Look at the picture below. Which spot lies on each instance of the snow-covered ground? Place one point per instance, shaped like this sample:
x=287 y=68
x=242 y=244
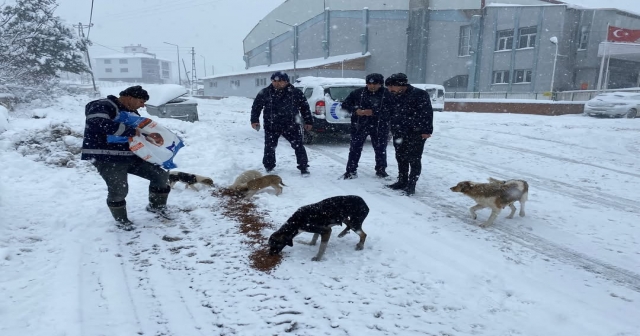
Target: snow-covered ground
x=570 y=267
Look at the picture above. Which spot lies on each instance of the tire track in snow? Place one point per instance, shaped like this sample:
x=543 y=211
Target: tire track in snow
x=542 y=154
x=533 y=242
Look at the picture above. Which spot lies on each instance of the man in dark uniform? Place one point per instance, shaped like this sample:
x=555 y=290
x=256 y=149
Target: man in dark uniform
x=370 y=113
x=282 y=104
x=115 y=161
x=411 y=126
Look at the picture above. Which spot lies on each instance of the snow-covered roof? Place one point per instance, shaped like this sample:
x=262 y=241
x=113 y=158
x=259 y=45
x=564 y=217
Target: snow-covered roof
x=621 y=5
x=131 y=55
x=301 y=64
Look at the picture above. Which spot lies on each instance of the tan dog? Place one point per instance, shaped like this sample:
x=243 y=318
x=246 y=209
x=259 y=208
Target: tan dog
x=189 y=179
x=255 y=185
x=496 y=195
x=245 y=177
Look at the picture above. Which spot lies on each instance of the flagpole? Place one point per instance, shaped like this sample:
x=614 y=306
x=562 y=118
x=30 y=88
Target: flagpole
x=604 y=53
x=606 y=76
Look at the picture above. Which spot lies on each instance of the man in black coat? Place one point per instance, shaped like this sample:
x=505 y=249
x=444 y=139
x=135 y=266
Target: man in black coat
x=411 y=126
x=282 y=104
x=115 y=161
x=370 y=113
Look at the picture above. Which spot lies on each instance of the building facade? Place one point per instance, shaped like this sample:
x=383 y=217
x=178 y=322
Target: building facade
x=466 y=45
x=134 y=65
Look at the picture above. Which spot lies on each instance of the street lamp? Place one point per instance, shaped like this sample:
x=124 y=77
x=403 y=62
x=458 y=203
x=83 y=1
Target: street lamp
x=177 y=64
x=554 y=40
x=204 y=61
x=295 y=44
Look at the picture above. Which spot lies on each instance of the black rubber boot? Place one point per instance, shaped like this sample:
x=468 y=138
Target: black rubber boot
x=400 y=184
x=119 y=213
x=158 y=205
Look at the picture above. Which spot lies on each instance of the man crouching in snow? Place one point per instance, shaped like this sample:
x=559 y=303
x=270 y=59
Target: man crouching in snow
x=318 y=218
x=115 y=161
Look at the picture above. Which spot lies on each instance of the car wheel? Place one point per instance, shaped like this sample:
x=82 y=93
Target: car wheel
x=632 y=113
x=308 y=137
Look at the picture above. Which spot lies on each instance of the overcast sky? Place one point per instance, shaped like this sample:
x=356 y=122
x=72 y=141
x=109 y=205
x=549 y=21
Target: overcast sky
x=215 y=28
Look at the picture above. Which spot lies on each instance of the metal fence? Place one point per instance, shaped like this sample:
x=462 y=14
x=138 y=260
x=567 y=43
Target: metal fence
x=579 y=95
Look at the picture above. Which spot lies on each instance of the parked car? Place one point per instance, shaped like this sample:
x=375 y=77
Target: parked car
x=436 y=93
x=614 y=105
x=167 y=101
x=325 y=97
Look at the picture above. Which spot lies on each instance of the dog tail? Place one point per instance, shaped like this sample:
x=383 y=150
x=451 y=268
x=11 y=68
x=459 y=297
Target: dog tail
x=492 y=180
x=282 y=183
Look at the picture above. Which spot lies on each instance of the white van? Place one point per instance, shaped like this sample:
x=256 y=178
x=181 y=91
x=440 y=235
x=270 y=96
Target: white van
x=325 y=96
x=436 y=93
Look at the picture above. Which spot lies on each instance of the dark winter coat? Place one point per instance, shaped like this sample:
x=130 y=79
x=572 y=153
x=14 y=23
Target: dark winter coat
x=98 y=125
x=380 y=102
x=412 y=113
x=281 y=107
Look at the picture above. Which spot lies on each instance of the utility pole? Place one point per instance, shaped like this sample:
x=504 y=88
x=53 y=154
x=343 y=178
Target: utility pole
x=186 y=73
x=178 y=63
x=81 y=27
x=204 y=62
x=194 y=84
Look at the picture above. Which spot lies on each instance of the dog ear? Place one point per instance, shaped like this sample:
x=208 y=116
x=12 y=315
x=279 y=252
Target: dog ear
x=290 y=242
x=466 y=185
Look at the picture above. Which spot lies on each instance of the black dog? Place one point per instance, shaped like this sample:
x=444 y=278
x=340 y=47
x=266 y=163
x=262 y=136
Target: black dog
x=318 y=218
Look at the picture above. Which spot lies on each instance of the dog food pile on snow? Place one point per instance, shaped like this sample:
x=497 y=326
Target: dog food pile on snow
x=251 y=224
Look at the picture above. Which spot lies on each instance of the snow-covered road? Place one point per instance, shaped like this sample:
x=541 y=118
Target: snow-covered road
x=570 y=267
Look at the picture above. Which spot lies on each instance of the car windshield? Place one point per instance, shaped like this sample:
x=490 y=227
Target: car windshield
x=340 y=93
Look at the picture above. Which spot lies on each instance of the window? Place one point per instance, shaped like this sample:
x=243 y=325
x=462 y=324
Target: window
x=108 y=70
x=501 y=77
x=165 y=74
x=107 y=61
x=522 y=76
x=584 y=38
x=261 y=81
x=460 y=81
x=308 y=92
x=235 y=83
x=464 y=47
x=527 y=37
x=124 y=61
x=213 y=84
x=124 y=69
x=505 y=40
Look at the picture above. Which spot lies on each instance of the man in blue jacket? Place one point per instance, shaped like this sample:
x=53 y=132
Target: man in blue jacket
x=411 y=126
x=370 y=112
x=282 y=104
x=115 y=161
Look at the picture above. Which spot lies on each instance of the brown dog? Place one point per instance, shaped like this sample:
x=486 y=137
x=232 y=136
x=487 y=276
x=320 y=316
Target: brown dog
x=495 y=195
x=255 y=185
x=243 y=178
x=189 y=179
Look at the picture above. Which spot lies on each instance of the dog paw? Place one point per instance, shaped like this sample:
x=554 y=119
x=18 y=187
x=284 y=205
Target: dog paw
x=342 y=235
x=521 y=214
x=315 y=259
x=474 y=216
x=484 y=225
x=359 y=247
x=510 y=217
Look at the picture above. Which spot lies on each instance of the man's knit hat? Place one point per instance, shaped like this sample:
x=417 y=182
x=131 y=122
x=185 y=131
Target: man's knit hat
x=397 y=79
x=135 y=92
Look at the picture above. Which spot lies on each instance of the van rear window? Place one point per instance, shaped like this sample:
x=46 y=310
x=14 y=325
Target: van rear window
x=339 y=94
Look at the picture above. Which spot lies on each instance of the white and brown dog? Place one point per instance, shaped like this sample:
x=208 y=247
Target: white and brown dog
x=257 y=184
x=496 y=194
x=189 y=179
x=243 y=178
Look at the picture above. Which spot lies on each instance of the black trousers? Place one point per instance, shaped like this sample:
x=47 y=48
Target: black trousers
x=293 y=134
x=115 y=176
x=409 y=150
x=379 y=140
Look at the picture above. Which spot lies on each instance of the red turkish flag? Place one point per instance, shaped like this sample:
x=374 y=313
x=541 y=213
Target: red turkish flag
x=617 y=34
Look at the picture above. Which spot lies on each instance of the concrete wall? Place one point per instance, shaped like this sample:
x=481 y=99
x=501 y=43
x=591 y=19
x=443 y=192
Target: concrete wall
x=518 y=108
x=133 y=65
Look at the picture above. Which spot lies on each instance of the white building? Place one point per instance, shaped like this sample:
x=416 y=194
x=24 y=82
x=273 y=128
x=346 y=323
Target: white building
x=134 y=65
